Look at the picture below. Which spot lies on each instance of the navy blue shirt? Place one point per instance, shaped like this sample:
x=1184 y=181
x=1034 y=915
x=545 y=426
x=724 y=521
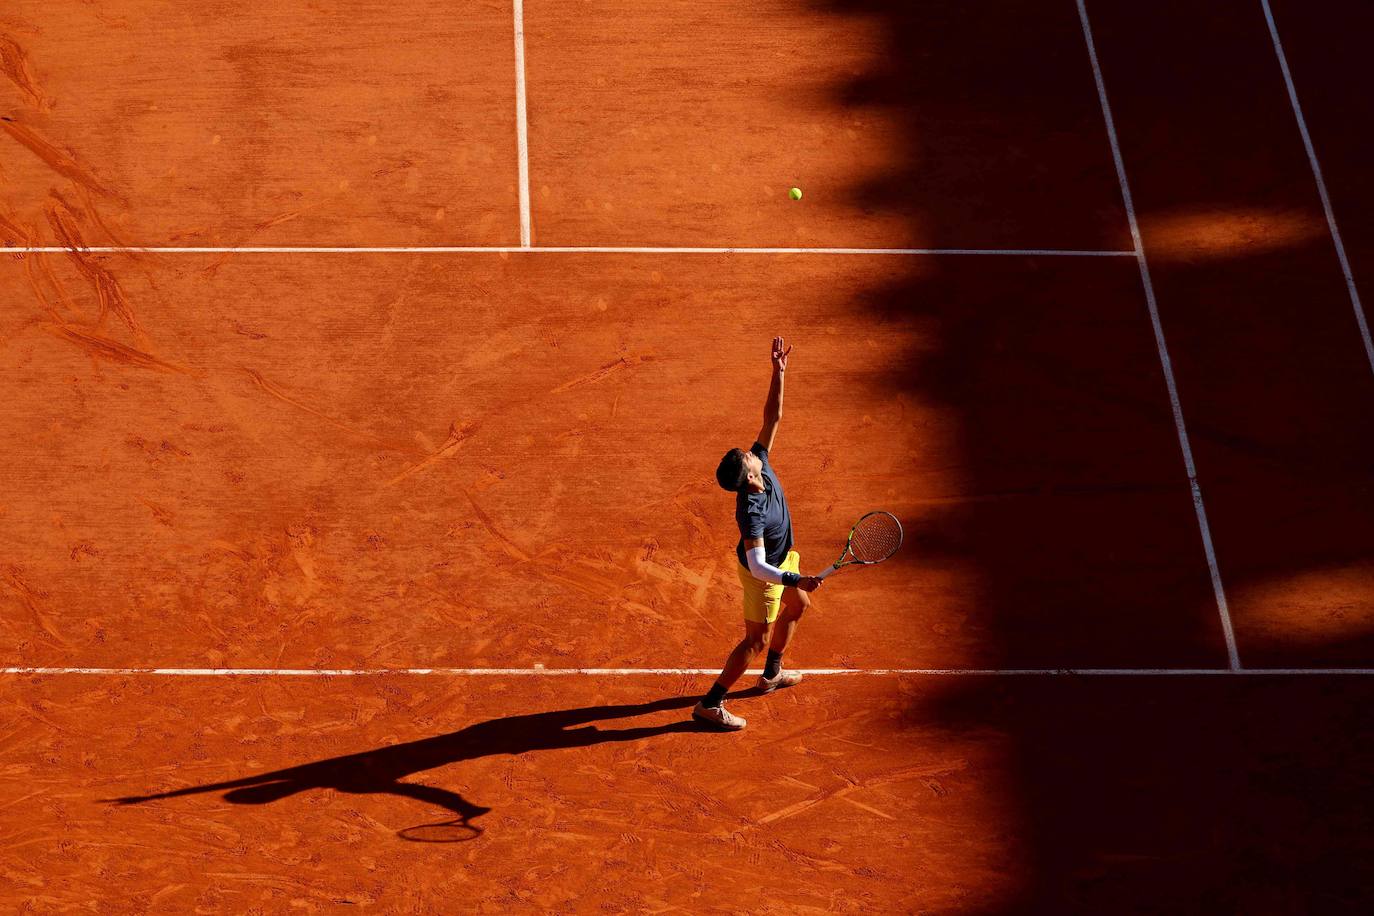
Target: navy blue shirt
x=764 y=515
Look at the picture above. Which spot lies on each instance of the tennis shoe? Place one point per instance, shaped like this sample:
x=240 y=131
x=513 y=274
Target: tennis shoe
x=718 y=716
x=781 y=680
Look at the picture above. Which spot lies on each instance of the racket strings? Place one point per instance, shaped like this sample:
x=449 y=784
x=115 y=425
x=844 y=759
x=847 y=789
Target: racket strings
x=875 y=538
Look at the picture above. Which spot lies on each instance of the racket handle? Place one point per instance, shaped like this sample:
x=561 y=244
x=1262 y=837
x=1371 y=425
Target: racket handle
x=827 y=572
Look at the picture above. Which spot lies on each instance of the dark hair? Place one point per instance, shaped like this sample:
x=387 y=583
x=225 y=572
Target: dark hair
x=730 y=473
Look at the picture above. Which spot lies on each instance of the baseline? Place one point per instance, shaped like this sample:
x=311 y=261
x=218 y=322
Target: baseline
x=538 y=671
x=595 y=249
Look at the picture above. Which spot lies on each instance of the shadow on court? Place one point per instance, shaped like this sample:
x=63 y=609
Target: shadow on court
x=1162 y=794
x=383 y=770
x=1181 y=795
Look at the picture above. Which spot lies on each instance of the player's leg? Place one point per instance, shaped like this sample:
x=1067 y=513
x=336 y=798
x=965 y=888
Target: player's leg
x=794 y=604
x=762 y=604
x=745 y=651
x=712 y=706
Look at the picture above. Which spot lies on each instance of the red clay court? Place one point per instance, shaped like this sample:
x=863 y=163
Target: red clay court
x=366 y=367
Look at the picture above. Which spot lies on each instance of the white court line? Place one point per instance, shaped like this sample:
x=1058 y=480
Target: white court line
x=521 y=127
x=1321 y=186
x=1217 y=590
x=585 y=249
x=662 y=672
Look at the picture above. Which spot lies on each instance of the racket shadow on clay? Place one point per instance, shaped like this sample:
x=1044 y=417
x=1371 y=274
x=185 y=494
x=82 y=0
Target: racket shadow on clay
x=382 y=770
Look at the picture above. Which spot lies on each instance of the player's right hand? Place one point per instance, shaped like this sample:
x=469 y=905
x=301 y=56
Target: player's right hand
x=780 y=354
x=809 y=583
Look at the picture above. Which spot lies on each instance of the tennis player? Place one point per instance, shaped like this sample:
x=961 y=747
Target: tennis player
x=775 y=593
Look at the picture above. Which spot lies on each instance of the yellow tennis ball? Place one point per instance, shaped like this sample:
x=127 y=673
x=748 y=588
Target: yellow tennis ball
x=795 y=193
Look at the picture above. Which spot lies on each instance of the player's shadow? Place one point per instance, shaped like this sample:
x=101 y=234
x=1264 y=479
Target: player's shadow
x=384 y=769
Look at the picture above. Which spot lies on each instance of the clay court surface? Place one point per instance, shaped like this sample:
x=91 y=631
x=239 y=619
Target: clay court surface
x=366 y=366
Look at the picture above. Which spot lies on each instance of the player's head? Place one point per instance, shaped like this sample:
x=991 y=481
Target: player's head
x=739 y=471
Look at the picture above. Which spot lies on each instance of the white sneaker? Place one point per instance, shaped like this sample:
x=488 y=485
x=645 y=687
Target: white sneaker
x=784 y=679
x=718 y=716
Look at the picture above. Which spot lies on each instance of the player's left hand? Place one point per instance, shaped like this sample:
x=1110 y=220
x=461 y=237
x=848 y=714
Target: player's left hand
x=780 y=354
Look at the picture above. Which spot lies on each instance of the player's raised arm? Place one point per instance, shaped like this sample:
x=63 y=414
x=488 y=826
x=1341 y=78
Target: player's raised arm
x=772 y=411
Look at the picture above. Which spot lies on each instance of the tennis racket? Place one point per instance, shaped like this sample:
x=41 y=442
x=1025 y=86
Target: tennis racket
x=874 y=538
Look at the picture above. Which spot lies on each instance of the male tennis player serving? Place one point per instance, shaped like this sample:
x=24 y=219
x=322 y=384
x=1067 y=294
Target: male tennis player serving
x=775 y=594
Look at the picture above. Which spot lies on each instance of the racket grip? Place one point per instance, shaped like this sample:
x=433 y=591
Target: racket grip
x=826 y=572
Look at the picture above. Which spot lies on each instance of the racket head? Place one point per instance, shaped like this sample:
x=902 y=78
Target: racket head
x=874 y=538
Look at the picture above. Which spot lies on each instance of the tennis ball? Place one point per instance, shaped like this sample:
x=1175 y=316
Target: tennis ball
x=795 y=193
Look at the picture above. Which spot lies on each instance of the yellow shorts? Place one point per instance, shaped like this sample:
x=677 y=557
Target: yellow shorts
x=763 y=600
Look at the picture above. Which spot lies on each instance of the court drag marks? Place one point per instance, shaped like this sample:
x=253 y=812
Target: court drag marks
x=218 y=124
x=658 y=814
x=346 y=463
x=251 y=491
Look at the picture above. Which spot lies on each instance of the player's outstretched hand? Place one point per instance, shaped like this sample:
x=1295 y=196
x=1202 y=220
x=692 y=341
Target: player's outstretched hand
x=780 y=354
x=809 y=583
